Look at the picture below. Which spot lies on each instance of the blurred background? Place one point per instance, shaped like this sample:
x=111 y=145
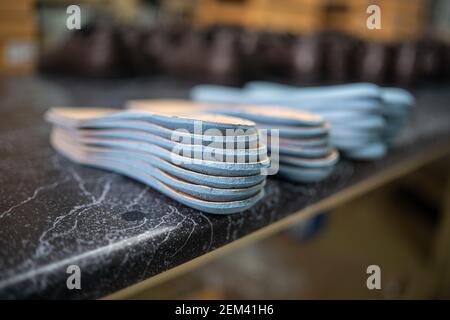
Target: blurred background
x=304 y=42
x=230 y=41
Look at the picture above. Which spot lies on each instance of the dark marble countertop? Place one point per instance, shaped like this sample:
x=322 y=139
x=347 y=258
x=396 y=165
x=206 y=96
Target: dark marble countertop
x=54 y=213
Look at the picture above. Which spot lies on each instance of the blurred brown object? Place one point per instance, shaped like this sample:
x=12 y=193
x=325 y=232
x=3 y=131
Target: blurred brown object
x=251 y=62
x=203 y=56
x=90 y=52
x=340 y=54
x=265 y=55
x=138 y=50
x=234 y=56
x=222 y=12
x=296 y=16
x=21 y=5
x=276 y=53
x=183 y=54
x=307 y=59
x=124 y=10
x=429 y=59
x=222 y=65
x=373 y=59
x=177 y=12
x=405 y=64
x=18 y=44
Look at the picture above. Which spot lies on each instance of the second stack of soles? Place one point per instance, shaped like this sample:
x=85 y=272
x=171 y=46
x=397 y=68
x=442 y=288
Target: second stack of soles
x=362 y=124
x=299 y=140
x=188 y=158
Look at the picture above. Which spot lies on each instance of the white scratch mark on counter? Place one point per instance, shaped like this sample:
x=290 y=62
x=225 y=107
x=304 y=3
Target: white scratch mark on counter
x=44 y=241
x=30 y=198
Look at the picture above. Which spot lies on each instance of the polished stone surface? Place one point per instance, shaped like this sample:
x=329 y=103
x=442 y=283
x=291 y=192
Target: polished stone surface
x=54 y=213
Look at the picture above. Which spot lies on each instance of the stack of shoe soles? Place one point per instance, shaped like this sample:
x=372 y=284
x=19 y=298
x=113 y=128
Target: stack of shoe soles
x=302 y=138
x=364 y=118
x=209 y=162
